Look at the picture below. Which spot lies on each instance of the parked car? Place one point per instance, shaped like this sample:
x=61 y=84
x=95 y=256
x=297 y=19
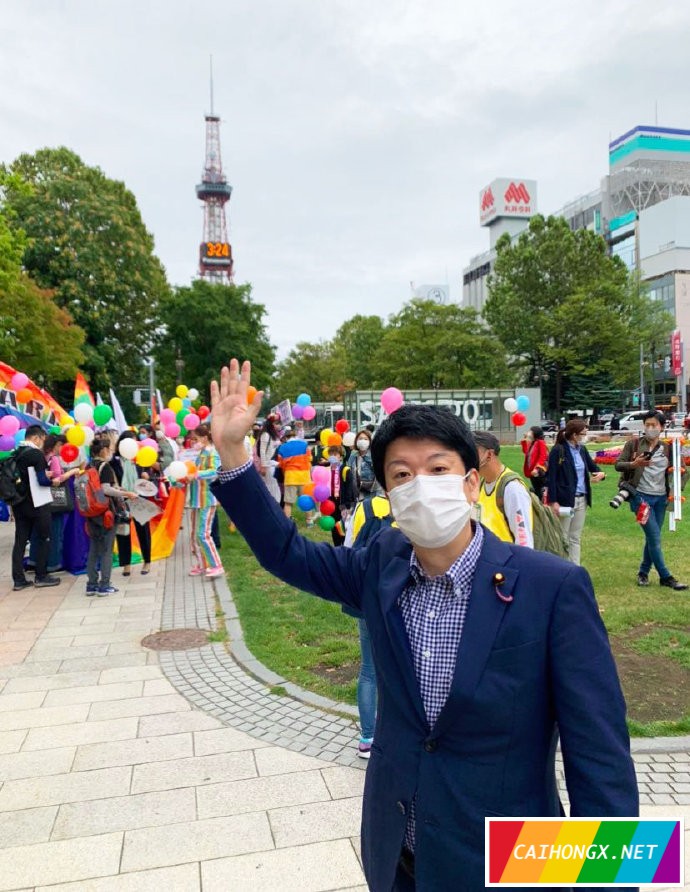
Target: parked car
x=631 y=421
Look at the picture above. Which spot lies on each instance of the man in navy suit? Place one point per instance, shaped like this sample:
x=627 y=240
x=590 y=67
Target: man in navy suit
x=485 y=652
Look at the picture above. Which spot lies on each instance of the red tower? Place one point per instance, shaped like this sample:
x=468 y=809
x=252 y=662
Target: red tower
x=215 y=252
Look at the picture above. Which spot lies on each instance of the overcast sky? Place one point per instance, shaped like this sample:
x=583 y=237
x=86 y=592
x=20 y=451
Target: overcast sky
x=356 y=135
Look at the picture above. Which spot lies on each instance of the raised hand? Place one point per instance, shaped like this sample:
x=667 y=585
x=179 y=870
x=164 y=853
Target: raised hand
x=232 y=417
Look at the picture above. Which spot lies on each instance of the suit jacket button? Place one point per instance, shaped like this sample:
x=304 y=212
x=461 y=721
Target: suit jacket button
x=401 y=807
x=430 y=746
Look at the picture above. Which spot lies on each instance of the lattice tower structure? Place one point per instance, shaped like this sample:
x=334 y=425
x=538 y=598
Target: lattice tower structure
x=646 y=182
x=215 y=251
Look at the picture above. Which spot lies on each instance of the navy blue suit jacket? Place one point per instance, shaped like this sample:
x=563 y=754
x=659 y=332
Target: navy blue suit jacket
x=526 y=670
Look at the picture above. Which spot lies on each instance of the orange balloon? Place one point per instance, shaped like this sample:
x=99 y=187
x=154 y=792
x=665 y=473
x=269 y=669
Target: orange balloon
x=24 y=395
x=308 y=489
x=251 y=393
x=191 y=468
x=335 y=440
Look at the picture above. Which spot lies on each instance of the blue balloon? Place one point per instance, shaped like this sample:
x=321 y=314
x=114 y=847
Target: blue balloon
x=186 y=402
x=19 y=436
x=523 y=403
x=293 y=448
x=306 y=503
x=303 y=400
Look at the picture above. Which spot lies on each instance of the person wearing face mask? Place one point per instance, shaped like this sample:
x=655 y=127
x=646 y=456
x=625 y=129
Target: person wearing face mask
x=485 y=652
x=645 y=463
x=505 y=505
x=536 y=458
x=340 y=474
x=363 y=483
x=569 y=491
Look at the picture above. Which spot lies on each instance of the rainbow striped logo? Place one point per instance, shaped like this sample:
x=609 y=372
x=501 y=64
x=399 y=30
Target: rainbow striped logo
x=584 y=852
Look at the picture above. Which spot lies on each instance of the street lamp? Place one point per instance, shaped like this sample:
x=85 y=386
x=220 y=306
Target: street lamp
x=179 y=366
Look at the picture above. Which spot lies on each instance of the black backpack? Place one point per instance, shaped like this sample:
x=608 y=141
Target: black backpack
x=12 y=486
x=372 y=525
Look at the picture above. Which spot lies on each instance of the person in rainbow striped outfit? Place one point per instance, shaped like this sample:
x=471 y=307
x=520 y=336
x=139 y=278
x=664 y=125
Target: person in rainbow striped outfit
x=203 y=504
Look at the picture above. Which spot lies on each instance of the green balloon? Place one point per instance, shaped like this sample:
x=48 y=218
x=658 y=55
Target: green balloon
x=55 y=429
x=5 y=454
x=326 y=523
x=181 y=415
x=102 y=415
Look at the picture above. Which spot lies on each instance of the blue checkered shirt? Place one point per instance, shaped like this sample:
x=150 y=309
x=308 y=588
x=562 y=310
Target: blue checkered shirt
x=434 y=611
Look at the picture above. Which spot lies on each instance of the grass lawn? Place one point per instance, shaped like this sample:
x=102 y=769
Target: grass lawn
x=314 y=644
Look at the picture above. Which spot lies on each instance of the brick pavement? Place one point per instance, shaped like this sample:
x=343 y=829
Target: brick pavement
x=112 y=778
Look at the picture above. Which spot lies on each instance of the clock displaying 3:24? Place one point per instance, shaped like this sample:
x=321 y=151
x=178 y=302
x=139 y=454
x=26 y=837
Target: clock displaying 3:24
x=217 y=249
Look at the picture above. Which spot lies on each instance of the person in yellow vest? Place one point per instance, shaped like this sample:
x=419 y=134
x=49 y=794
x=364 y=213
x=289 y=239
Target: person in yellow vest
x=514 y=521
x=294 y=459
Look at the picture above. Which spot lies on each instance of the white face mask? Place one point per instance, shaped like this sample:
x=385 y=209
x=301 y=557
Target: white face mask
x=362 y=444
x=582 y=439
x=431 y=510
x=651 y=433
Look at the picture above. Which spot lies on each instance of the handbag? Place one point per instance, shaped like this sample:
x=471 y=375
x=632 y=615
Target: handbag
x=63 y=500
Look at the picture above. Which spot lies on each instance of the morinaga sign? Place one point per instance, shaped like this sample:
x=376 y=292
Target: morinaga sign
x=507 y=198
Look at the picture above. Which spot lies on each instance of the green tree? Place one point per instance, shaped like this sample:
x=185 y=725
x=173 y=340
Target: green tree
x=205 y=324
x=313 y=369
x=429 y=345
x=354 y=345
x=563 y=307
x=87 y=243
x=36 y=336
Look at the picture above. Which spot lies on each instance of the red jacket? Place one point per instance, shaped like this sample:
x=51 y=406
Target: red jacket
x=535 y=457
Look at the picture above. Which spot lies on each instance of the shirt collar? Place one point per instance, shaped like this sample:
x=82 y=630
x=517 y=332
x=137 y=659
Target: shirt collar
x=461 y=569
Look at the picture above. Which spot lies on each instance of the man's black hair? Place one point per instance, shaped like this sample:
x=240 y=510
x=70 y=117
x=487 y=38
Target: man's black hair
x=654 y=414
x=419 y=422
x=35 y=430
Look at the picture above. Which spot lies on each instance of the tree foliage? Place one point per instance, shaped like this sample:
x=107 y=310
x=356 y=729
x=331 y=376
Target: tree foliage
x=563 y=307
x=36 y=336
x=86 y=242
x=206 y=324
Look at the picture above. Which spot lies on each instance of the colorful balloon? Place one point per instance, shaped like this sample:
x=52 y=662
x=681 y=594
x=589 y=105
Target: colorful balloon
x=193 y=393
x=327 y=507
x=128 y=448
x=102 y=415
x=321 y=474
x=523 y=403
x=176 y=470
x=303 y=400
x=192 y=469
x=89 y=436
x=335 y=440
x=518 y=418
x=172 y=430
x=203 y=412
x=306 y=503
x=308 y=489
x=175 y=404
x=83 y=412
x=6 y=442
x=182 y=390
x=75 y=435
x=325 y=434
x=391 y=400
x=148 y=441
x=18 y=381
x=251 y=393
x=510 y=404
x=349 y=439
x=309 y=413
x=20 y=436
x=326 y=523
x=191 y=422
x=146 y=456
x=342 y=426
x=167 y=416
x=24 y=395
x=69 y=453
x=181 y=415
x=322 y=492
x=297 y=412
x=9 y=425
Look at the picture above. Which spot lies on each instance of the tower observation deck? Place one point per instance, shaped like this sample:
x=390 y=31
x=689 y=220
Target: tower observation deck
x=215 y=251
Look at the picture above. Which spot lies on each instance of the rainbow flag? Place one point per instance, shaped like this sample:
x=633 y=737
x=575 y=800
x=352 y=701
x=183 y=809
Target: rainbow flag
x=164 y=530
x=41 y=405
x=81 y=390
x=584 y=852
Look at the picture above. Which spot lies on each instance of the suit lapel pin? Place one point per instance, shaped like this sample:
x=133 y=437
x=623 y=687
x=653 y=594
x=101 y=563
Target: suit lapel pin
x=498 y=580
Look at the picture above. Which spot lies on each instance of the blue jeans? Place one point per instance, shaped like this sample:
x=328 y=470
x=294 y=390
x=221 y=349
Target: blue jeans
x=366 y=684
x=652 y=533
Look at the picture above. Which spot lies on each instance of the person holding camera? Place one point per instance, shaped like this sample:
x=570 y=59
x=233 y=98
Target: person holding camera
x=645 y=463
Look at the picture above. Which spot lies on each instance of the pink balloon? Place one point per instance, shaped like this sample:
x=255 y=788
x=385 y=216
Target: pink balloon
x=191 y=421
x=9 y=425
x=391 y=400
x=19 y=380
x=322 y=492
x=309 y=413
x=320 y=474
x=172 y=430
x=149 y=442
x=167 y=417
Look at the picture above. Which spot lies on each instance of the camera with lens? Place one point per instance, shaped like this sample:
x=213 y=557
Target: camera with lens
x=625 y=492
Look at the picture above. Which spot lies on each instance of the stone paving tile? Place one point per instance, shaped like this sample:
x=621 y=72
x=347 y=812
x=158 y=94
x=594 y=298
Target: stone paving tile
x=76 y=859
x=276 y=760
x=260 y=794
x=316 y=822
x=129 y=673
x=28 y=826
x=196 y=841
x=132 y=752
x=343 y=782
x=11 y=741
x=311 y=868
x=81 y=733
x=94 y=693
x=51 y=682
x=138 y=706
x=182 y=878
x=224 y=740
x=115 y=661
x=38 y=718
x=58 y=788
x=26 y=700
x=36 y=764
x=129 y=812
x=194 y=771
x=176 y=722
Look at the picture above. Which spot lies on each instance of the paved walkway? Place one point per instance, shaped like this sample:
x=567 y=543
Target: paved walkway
x=122 y=769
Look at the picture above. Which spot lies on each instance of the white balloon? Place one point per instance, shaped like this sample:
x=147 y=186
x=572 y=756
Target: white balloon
x=349 y=439
x=89 y=435
x=176 y=470
x=128 y=448
x=83 y=413
x=193 y=393
x=510 y=405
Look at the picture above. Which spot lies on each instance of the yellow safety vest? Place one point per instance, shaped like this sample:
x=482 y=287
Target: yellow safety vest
x=491 y=515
